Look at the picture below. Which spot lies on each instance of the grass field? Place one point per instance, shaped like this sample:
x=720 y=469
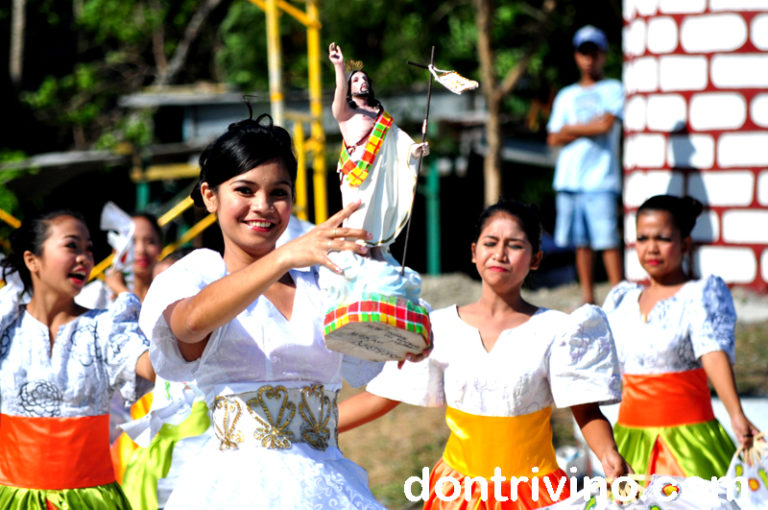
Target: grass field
x=401 y=443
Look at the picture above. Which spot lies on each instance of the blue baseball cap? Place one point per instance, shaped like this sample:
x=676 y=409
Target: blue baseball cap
x=590 y=34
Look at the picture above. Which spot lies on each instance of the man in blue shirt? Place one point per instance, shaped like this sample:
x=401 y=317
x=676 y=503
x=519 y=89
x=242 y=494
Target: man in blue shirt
x=586 y=122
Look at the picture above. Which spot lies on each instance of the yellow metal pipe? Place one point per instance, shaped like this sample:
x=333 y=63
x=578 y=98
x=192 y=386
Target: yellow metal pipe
x=190 y=234
x=102 y=266
x=165 y=172
x=175 y=211
x=289 y=9
x=274 y=58
x=10 y=219
x=301 y=172
x=317 y=135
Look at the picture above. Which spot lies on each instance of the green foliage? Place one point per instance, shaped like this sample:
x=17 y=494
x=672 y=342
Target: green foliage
x=8 y=200
x=243 y=53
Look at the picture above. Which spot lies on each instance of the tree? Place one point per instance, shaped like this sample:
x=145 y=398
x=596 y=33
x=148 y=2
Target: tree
x=119 y=48
x=494 y=89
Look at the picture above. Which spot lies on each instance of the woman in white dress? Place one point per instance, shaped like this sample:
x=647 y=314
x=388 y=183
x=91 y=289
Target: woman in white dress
x=498 y=365
x=672 y=335
x=59 y=366
x=247 y=328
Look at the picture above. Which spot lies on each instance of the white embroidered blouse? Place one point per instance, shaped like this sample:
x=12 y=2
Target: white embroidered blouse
x=259 y=346
x=554 y=357
x=698 y=319
x=91 y=357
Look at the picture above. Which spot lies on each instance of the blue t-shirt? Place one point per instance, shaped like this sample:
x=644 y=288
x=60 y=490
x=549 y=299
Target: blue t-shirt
x=588 y=163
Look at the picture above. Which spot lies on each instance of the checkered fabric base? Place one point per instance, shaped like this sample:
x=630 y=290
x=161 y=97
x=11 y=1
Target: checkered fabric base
x=378 y=328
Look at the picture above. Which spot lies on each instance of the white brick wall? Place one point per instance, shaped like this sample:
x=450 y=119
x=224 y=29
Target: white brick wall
x=662 y=35
x=759 y=31
x=634 y=113
x=742 y=149
x=764 y=265
x=745 y=226
x=641 y=185
x=714 y=32
x=733 y=264
x=646 y=7
x=689 y=64
x=630 y=228
x=762 y=188
x=738 y=5
x=731 y=188
x=634 y=38
x=682 y=6
x=740 y=70
x=718 y=110
x=642 y=75
x=707 y=228
x=758 y=110
x=666 y=112
x=644 y=150
x=691 y=151
x=682 y=72
x=632 y=267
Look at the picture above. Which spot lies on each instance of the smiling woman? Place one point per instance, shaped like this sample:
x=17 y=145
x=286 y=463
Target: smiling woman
x=246 y=326
x=59 y=365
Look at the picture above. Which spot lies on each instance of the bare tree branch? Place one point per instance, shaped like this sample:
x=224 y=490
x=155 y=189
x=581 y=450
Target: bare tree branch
x=16 y=58
x=158 y=41
x=194 y=27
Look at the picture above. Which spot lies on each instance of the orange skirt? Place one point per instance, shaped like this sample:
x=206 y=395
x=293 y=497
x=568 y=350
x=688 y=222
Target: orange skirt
x=55 y=453
x=469 y=493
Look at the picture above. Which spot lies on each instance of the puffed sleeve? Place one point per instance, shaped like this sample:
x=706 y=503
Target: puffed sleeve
x=183 y=279
x=583 y=366
x=125 y=342
x=418 y=384
x=616 y=295
x=713 y=319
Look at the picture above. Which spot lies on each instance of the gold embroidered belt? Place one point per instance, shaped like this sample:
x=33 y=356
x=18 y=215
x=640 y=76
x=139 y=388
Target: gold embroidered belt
x=275 y=417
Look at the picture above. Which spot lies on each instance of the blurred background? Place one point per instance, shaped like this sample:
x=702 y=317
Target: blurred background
x=113 y=100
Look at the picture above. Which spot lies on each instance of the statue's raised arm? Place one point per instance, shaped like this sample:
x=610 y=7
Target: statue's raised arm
x=340 y=109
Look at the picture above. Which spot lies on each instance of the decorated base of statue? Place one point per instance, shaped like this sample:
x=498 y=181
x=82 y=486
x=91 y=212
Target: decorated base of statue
x=378 y=328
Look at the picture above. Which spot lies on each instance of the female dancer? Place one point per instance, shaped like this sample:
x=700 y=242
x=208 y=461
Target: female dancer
x=59 y=365
x=247 y=328
x=671 y=335
x=147 y=244
x=498 y=365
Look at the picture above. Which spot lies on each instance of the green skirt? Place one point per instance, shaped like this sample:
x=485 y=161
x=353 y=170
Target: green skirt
x=701 y=449
x=106 y=497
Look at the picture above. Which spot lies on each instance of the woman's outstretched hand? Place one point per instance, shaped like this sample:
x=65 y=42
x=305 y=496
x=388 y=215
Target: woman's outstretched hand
x=313 y=247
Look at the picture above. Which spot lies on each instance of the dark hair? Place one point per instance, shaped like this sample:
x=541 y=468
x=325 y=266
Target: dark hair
x=682 y=210
x=245 y=145
x=526 y=215
x=30 y=236
x=370 y=100
x=152 y=219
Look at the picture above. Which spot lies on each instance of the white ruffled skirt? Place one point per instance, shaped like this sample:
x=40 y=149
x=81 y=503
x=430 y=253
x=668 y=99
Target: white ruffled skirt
x=259 y=478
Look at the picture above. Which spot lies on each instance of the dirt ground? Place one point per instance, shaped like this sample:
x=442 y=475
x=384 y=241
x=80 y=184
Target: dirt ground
x=403 y=442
